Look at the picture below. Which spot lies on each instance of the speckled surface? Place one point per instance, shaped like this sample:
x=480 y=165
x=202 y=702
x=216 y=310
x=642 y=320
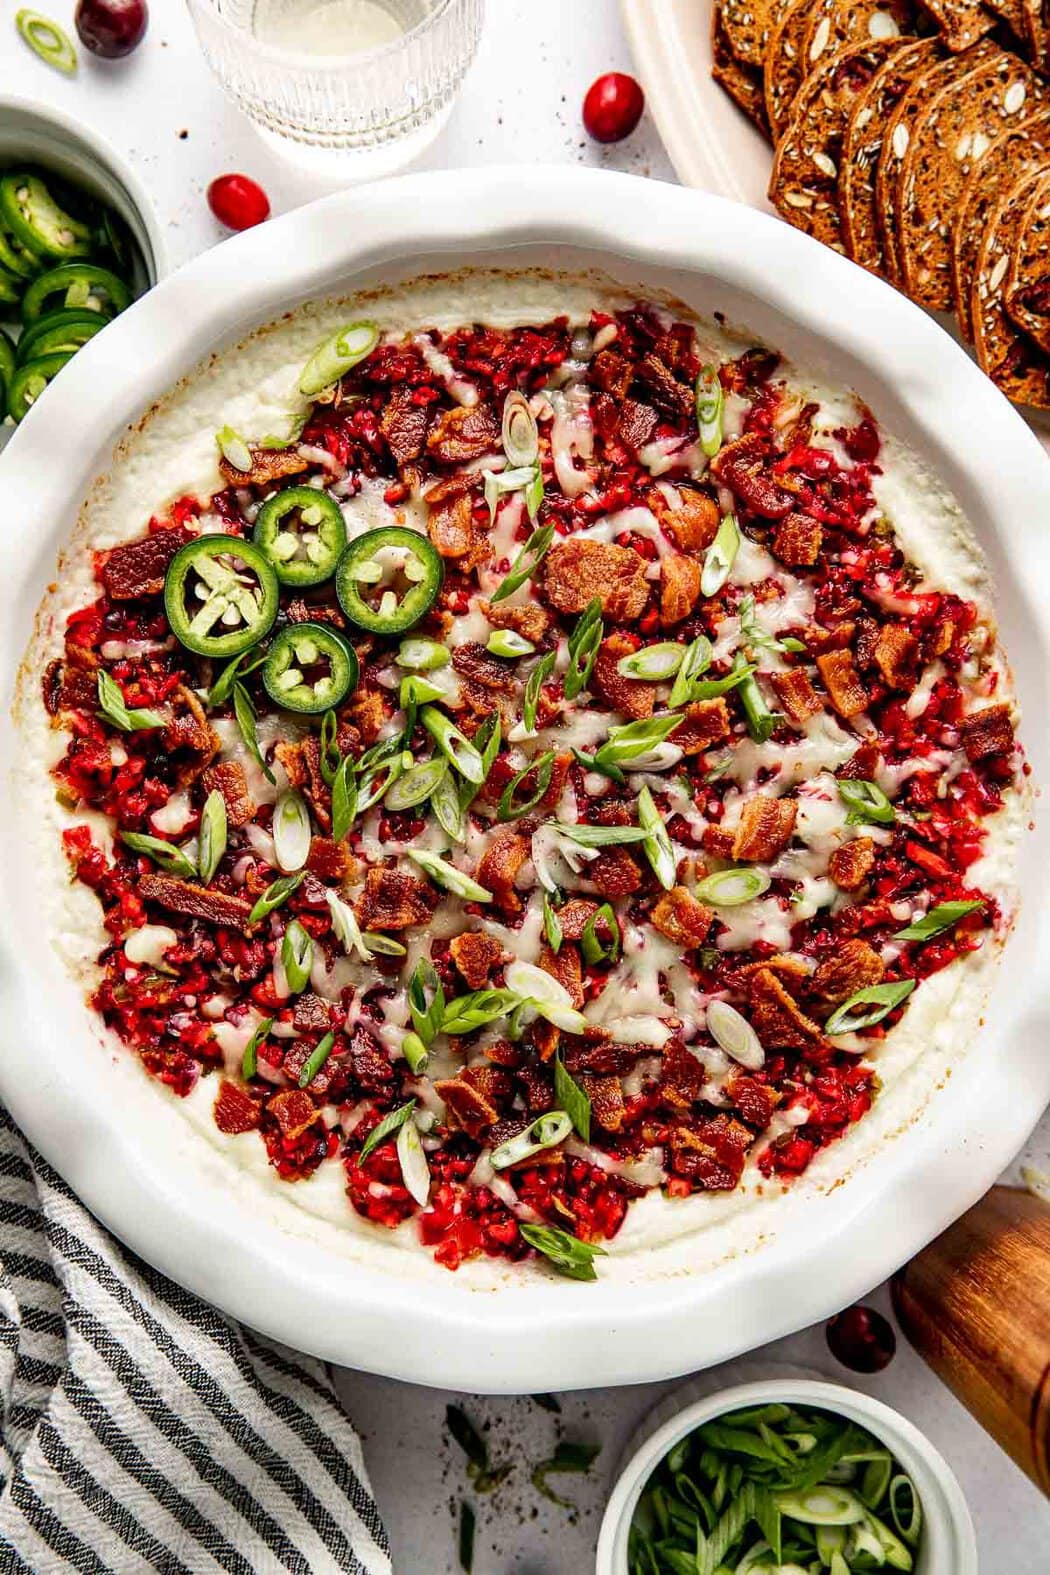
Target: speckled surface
x=520 y=105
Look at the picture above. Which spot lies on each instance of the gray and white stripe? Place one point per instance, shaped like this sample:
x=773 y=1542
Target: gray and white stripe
x=140 y=1430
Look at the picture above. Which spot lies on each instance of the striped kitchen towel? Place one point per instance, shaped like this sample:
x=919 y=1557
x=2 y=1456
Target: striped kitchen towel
x=140 y=1430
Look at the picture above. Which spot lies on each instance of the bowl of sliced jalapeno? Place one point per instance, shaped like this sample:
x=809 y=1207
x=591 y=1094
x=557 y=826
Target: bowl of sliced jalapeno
x=78 y=243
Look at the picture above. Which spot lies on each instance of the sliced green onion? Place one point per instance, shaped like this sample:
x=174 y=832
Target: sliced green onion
x=426 y=1000
x=414 y=691
x=234 y=449
x=447 y=807
x=297 y=954
x=114 y=708
x=711 y=688
x=826 y=1505
x=526 y=563
x=335 y=357
x=552 y=925
x=635 y=739
x=46 y=39
x=695 y=662
x=415 y=1053
x=416 y=784
x=732 y=1032
x=599 y=836
x=467 y=1013
x=509 y=807
x=521 y=435
x=570 y=1097
x=938 y=920
x=907 y=1519
x=383 y=945
x=468 y=1525
x=567 y=1254
x=584 y=643
x=452 y=743
x=347 y=930
x=720 y=556
x=606 y=768
x=539 y=989
x=547 y=1131
x=164 y=854
x=345 y=800
x=241 y=665
x=497 y=482
x=732 y=888
x=531 y=698
x=211 y=844
x=867 y=802
x=882 y=998
x=391 y=1123
x=761 y=721
x=654 y=664
x=595 y=950
x=250 y=1059
x=421 y=655
x=487 y=740
x=291 y=831
x=316 y=1060
x=533 y=494
x=276 y=893
x=371 y=785
x=331 y=756
x=415 y=1172
x=447 y=876
x=709 y=406
x=657 y=846
x=244 y=711
x=506 y=642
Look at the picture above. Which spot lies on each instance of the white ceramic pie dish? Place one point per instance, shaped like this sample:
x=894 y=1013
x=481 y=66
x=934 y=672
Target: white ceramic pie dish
x=117 y=1138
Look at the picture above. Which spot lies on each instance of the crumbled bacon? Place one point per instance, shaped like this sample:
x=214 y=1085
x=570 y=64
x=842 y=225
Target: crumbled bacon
x=236 y=1109
x=228 y=779
x=629 y=695
x=705 y=722
x=850 y=864
x=608 y=1107
x=189 y=736
x=268 y=465
x=137 y=568
x=796 y=694
x=895 y=653
x=765 y=827
x=689 y=516
x=565 y=966
x=738 y=466
x=988 y=732
x=578 y=570
x=776 y=1016
x=854 y=966
x=331 y=861
x=465 y=432
x=197 y=902
x=797 y=539
x=393 y=901
x=612 y=373
x=680 y=917
x=841 y=680
x=575 y=916
x=475 y=954
x=452 y=529
x=473 y=1097
x=530 y=621
x=499 y=866
x=679 y=588
x=404 y=425
x=614 y=873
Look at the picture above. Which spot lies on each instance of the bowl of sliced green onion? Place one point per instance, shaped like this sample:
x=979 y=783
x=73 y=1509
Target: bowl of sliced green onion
x=786 y=1477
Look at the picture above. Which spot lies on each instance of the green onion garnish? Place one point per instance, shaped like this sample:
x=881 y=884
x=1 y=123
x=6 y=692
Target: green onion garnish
x=521 y=435
x=531 y=698
x=487 y=740
x=446 y=803
x=584 y=642
x=526 y=563
x=867 y=802
x=467 y=1013
x=277 y=892
x=234 y=449
x=250 y=1059
x=654 y=664
x=633 y=740
x=46 y=39
x=568 y=1456
x=939 y=919
x=452 y=744
x=695 y=662
x=244 y=711
x=599 y=836
x=761 y=721
x=594 y=949
x=415 y=1172
x=506 y=642
x=422 y=656
x=732 y=888
x=534 y=494
x=241 y=665
x=547 y=1131
x=720 y=556
x=448 y=877
x=114 y=708
x=416 y=784
x=711 y=688
x=335 y=357
x=567 y=1254
x=331 y=754
x=383 y=945
x=426 y=1000
x=211 y=843
x=552 y=925
x=291 y=831
x=657 y=846
x=732 y=1032
x=297 y=953
x=509 y=807
x=415 y=1053
x=164 y=854
x=345 y=799
x=882 y=998
x=316 y=1060
x=347 y=930
x=386 y=1128
x=467 y=1530
x=709 y=405
x=497 y=482
x=571 y=1098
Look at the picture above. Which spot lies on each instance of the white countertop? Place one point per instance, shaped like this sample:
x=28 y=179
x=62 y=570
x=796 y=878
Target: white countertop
x=520 y=105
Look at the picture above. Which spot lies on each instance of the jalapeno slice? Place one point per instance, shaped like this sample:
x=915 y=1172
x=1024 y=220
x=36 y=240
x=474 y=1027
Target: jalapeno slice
x=303 y=533
x=79 y=286
x=17 y=259
x=387 y=579
x=310 y=668
x=221 y=595
x=30 y=380
x=59 y=331
x=10 y=290
x=37 y=221
x=8 y=361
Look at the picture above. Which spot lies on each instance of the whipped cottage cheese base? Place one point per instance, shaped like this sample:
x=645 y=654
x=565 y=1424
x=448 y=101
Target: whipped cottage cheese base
x=253 y=388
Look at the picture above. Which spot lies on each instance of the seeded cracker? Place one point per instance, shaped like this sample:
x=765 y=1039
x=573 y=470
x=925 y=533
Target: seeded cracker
x=1027 y=293
x=960 y=22
x=1020 y=152
x=1012 y=12
x=898 y=135
x=862 y=145
x=807 y=32
x=1035 y=33
x=804 y=185
x=1010 y=359
x=783 y=70
x=948 y=140
x=747 y=24
x=742 y=83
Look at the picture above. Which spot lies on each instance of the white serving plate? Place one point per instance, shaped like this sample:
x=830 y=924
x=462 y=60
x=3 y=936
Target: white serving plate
x=119 y=1140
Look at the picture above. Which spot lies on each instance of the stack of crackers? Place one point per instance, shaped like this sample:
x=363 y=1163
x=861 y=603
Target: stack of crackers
x=917 y=141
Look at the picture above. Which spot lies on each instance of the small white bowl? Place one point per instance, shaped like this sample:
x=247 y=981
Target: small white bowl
x=949 y=1546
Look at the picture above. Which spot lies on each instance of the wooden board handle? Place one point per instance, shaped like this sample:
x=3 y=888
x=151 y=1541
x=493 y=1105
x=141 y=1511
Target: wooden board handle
x=976 y=1306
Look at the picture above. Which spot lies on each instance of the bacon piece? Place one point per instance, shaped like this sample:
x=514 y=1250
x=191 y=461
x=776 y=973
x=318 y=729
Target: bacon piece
x=797 y=540
x=853 y=966
x=691 y=522
x=711 y=1155
x=683 y=1075
x=294 y=1111
x=367 y=706
x=636 y=425
x=718 y=842
x=738 y=466
x=575 y=916
x=629 y=695
x=895 y=651
x=679 y=916
x=189 y=732
x=776 y=1016
x=783 y=963
x=331 y=861
x=302 y=765
x=452 y=530
x=614 y=873
x=679 y=588
x=612 y=373
x=472 y=1098
x=988 y=732
x=565 y=966
x=607 y=1103
x=369 y=1065
x=706 y=722
x=235 y=1109
x=499 y=867
x=796 y=694
x=765 y=828
x=404 y=425
x=228 y=779
x=849 y=864
x=479 y=666
x=137 y=568
x=848 y=694
x=475 y=953
x=312 y=1014
x=197 y=902
x=578 y=570
x=666 y=392
x=462 y=433
x=268 y=465
x=393 y=901
x=531 y=620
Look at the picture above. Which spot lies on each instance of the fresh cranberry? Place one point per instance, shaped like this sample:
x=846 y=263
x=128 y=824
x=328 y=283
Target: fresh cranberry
x=861 y=1339
x=613 y=107
x=238 y=201
x=111 y=28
